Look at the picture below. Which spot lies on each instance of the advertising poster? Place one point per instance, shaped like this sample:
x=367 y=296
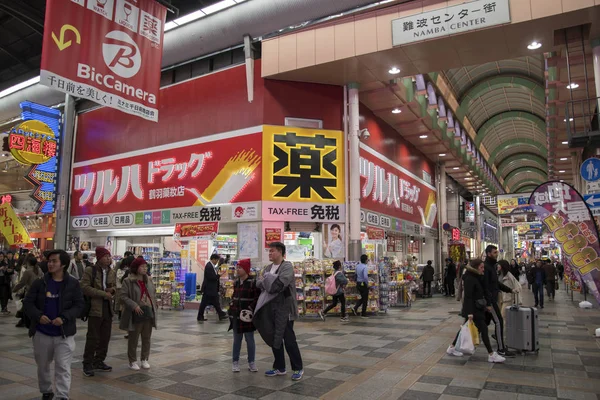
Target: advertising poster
x=85 y=246
x=248 y=240
x=12 y=228
x=272 y=235
x=333 y=246
x=375 y=233
x=196 y=231
x=564 y=212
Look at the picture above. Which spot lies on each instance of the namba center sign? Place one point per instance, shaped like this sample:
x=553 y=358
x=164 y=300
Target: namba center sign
x=450 y=20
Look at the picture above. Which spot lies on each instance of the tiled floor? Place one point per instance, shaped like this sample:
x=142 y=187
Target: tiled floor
x=400 y=355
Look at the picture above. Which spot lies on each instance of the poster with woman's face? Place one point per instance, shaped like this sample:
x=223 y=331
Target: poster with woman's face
x=85 y=246
x=334 y=242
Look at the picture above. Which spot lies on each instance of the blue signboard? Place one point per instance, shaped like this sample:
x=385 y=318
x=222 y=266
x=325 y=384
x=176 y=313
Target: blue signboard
x=592 y=200
x=590 y=169
x=44 y=176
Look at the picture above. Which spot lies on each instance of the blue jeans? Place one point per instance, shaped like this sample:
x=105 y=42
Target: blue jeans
x=237 y=345
x=538 y=294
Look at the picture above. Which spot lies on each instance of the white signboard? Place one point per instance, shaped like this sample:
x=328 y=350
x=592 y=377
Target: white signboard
x=449 y=21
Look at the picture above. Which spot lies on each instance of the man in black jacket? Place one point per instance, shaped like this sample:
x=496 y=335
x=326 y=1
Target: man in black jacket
x=492 y=287
x=210 y=289
x=450 y=277
x=53 y=305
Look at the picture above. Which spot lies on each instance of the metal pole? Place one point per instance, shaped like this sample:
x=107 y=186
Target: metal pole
x=64 y=174
x=478 y=249
x=354 y=248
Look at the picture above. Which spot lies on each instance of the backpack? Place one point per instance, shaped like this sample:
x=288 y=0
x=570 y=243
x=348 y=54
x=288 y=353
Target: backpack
x=330 y=287
x=87 y=299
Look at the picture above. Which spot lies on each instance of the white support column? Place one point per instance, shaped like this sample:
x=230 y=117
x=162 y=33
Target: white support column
x=478 y=250
x=596 y=52
x=354 y=247
x=443 y=207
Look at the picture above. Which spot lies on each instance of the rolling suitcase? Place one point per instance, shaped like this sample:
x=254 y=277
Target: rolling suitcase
x=522 y=329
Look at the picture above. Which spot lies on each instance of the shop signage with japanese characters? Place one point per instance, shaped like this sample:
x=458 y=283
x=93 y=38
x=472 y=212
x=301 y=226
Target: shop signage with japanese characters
x=201 y=175
x=375 y=233
x=451 y=20
x=302 y=212
x=272 y=235
x=109 y=52
x=469 y=211
x=509 y=203
x=196 y=231
x=389 y=189
x=566 y=215
x=12 y=228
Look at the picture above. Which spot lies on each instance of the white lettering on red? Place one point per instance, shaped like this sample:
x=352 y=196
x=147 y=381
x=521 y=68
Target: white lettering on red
x=102 y=186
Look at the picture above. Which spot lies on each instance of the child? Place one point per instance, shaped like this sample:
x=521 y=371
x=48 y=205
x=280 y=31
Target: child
x=245 y=297
x=340 y=282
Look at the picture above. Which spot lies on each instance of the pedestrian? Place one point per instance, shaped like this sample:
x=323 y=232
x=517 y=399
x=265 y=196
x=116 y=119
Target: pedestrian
x=340 y=283
x=276 y=311
x=86 y=260
x=138 y=298
x=427 y=278
x=53 y=305
x=509 y=280
x=6 y=273
x=77 y=266
x=122 y=271
x=550 y=271
x=99 y=285
x=537 y=276
x=492 y=288
x=450 y=277
x=44 y=261
x=474 y=309
x=210 y=288
x=31 y=272
x=241 y=309
x=560 y=268
x=362 y=284
x=514 y=268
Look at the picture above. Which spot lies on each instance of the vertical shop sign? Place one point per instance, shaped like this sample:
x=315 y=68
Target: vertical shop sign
x=11 y=227
x=305 y=169
x=109 y=52
x=469 y=211
x=564 y=212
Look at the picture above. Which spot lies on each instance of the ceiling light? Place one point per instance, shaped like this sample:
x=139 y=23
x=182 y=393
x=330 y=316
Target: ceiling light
x=564 y=159
x=443 y=155
x=534 y=45
x=573 y=86
x=455 y=168
x=423 y=137
x=468 y=179
x=396 y=111
x=218 y=6
x=570 y=120
x=562 y=171
x=19 y=86
x=3 y=154
x=565 y=142
x=394 y=71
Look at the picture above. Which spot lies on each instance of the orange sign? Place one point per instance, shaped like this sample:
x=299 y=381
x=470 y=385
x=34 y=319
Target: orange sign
x=196 y=230
x=32 y=142
x=375 y=233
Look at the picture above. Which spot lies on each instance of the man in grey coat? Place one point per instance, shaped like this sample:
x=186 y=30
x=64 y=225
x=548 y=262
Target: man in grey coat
x=276 y=311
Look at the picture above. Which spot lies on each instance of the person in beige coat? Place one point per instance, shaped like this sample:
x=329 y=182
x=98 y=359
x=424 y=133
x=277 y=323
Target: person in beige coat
x=138 y=301
x=508 y=279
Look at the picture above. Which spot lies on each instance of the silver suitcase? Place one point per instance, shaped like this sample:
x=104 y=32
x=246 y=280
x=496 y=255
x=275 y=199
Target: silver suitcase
x=522 y=332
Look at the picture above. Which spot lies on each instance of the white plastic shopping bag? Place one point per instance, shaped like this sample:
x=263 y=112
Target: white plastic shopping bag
x=19 y=304
x=585 y=304
x=464 y=344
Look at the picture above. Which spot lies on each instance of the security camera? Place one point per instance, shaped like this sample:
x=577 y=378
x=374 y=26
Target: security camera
x=364 y=133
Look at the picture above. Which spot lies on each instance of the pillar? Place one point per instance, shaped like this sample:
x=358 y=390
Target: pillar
x=443 y=208
x=596 y=58
x=576 y=165
x=354 y=245
x=478 y=224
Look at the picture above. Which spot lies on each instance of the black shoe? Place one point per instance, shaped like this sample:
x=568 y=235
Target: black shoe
x=354 y=312
x=102 y=367
x=506 y=353
x=541 y=306
x=20 y=324
x=88 y=370
x=535 y=305
x=47 y=396
x=201 y=319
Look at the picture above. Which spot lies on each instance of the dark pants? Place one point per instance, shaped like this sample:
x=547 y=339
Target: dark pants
x=449 y=284
x=97 y=339
x=342 y=300
x=4 y=295
x=551 y=288
x=292 y=349
x=209 y=301
x=483 y=331
x=426 y=288
x=538 y=294
x=498 y=325
x=363 y=290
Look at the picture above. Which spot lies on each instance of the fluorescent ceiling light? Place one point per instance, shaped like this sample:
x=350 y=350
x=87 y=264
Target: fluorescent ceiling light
x=565 y=142
x=456 y=168
x=218 y=6
x=396 y=111
x=468 y=179
x=170 y=25
x=423 y=137
x=394 y=71
x=570 y=120
x=573 y=86
x=564 y=159
x=19 y=86
x=534 y=45
x=443 y=155
x=562 y=171
x=155 y=229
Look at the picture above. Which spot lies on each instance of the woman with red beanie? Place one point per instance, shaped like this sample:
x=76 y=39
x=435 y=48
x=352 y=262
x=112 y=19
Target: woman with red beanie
x=241 y=309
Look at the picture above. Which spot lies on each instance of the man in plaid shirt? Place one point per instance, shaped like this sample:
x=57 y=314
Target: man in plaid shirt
x=241 y=308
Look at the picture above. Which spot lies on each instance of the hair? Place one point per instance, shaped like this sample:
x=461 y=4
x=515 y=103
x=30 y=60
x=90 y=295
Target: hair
x=337 y=265
x=364 y=258
x=490 y=248
x=127 y=261
x=31 y=261
x=85 y=256
x=475 y=263
x=47 y=253
x=429 y=262
x=334 y=226
x=505 y=266
x=127 y=254
x=279 y=246
x=64 y=257
x=76 y=253
x=215 y=256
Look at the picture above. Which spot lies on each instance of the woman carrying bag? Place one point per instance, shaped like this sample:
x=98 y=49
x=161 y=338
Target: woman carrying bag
x=138 y=299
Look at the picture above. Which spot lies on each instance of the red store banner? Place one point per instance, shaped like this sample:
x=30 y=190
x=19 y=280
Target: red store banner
x=196 y=231
x=107 y=51
x=184 y=175
x=388 y=189
x=375 y=233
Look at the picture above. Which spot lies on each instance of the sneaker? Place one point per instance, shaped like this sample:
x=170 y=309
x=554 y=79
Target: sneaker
x=88 y=370
x=321 y=315
x=297 y=375
x=364 y=317
x=201 y=319
x=275 y=372
x=354 y=312
x=126 y=336
x=134 y=366
x=235 y=367
x=47 y=396
x=451 y=351
x=102 y=367
x=345 y=319
x=145 y=364
x=506 y=353
x=252 y=367
x=495 y=358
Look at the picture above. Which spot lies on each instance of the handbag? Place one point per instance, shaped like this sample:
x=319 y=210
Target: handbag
x=148 y=314
x=481 y=304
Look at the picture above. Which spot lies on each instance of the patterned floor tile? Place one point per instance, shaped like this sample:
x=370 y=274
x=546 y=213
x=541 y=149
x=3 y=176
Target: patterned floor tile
x=414 y=395
x=462 y=391
x=254 y=392
x=191 y=392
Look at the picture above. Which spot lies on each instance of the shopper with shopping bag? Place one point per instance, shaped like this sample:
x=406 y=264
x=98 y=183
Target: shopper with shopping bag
x=474 y=309
x=474 y=332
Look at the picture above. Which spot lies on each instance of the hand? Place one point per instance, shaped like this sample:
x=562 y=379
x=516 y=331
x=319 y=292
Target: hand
x=45 y=320
x=110 y=290
x=138 y=310
x=57 y=321
x=470 y=317
x=489 y=309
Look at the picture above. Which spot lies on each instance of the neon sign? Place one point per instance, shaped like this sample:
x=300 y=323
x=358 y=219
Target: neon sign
x=456 y=234
x=32 y=142
x=6 y=199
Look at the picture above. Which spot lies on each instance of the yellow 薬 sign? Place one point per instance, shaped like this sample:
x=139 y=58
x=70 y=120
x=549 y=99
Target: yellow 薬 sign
x=11 y=226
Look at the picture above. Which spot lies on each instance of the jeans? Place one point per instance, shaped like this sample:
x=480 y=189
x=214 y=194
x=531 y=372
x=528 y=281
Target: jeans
x=60 y=350
x=426 y=288
x=483 y=331
x=538 y=294
x=342 y=300
x=363 y=289
x=250 y=346
x=209 y=301
x=291 y=346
